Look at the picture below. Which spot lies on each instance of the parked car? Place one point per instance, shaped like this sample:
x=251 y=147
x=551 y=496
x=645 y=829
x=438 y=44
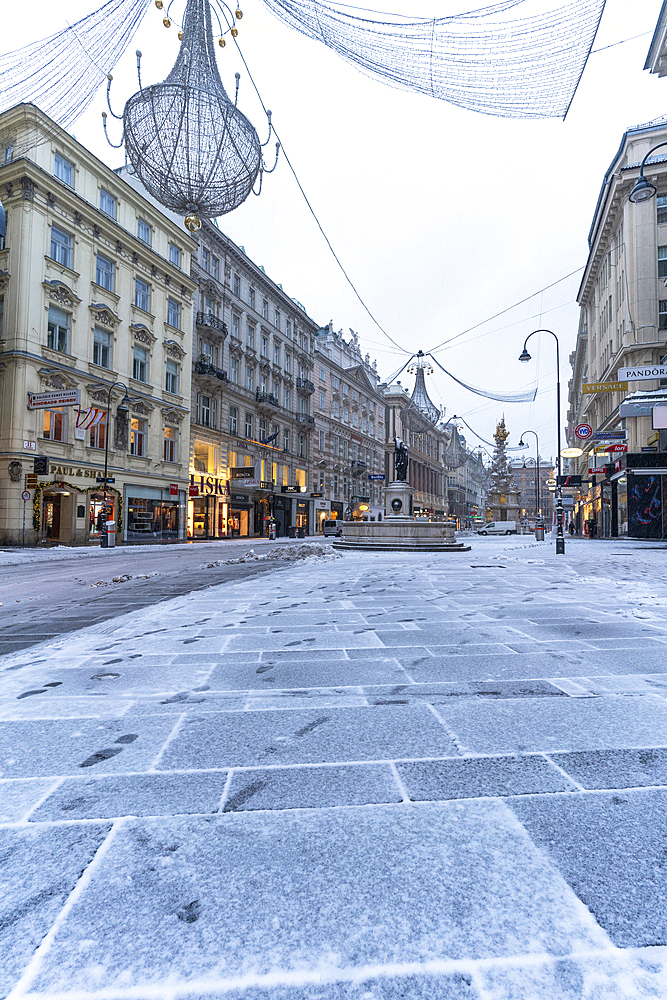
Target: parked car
x=498 y=528
x=332 y=528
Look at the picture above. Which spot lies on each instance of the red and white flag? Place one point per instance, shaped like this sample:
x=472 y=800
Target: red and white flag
x=88 y=418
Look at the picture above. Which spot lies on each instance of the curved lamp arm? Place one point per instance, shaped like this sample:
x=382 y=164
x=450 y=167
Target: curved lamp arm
x=643 y=189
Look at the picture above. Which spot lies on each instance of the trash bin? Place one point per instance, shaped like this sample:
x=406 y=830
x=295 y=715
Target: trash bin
x=111 y=534
x=539 y=531
x=291 y=531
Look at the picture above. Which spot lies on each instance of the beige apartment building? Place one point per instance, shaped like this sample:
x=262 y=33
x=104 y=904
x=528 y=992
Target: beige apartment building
x=252 y=386
x=96 y=308
x=623 y=324
x=349 y=470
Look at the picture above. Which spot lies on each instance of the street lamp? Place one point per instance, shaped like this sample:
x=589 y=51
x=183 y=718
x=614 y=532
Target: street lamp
x=123 y=407
x=643 y=189
x=525 y=356
x=537 y=481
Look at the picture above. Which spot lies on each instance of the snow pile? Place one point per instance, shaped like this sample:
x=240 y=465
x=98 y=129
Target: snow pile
x=124 y=579
x=287 y=553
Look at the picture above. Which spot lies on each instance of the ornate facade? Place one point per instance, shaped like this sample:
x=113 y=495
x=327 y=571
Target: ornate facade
x=95 y=289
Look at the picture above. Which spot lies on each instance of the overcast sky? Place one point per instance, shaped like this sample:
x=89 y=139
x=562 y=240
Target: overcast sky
x=442 y=217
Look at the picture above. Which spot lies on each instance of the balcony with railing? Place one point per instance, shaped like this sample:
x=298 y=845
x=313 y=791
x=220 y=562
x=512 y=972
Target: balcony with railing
x=211 y=322
x=266 y=397
x=305 y=385
x=203 y=366
x=304 y=418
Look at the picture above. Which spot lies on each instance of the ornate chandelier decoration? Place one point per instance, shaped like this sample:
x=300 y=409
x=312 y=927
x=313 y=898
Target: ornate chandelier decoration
x=188 y=143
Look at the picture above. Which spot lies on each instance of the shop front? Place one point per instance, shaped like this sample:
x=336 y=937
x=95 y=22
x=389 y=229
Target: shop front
x=239 y=518
x=153 y=514
x=208 y=514
x=282 y=514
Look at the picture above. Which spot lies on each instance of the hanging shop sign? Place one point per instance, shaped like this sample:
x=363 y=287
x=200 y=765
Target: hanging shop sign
x=589 y=387
x=617 y=447
x=636 y=408
x=569 y=481
x=64 y=397
x=242 y=472
x=239 y=498
x=193 y=491
x=173 y=489
x=208 y=486
x=379 y=477
x=642 y=373
x=583 y=431
x=292 y=489
x=609 y=435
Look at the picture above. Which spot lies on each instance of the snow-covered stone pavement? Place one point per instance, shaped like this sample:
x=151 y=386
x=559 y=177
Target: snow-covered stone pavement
x=370 y=777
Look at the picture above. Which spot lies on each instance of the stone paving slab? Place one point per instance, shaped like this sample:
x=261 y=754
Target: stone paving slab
x=311 y=787
x=611 y=849
x=306 y=737
x=481 y=776
x=471 y=884
x=40 y=867
x=615 y=768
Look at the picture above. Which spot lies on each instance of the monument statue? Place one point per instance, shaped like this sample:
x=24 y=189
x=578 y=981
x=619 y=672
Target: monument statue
x=400 y=461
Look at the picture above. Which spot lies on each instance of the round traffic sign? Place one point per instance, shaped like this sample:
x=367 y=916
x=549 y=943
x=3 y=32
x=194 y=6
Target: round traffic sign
x=583 y=431
x=551 y=482
x=25 y=495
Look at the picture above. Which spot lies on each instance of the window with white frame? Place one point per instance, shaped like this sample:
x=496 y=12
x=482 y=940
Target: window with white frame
x=302 y=446
x=322 y=401
x=170 y=437
x=288 y=363
x=265 y=309
x=215 y=266
x=138 y=437
x=205 y=412
x=107 y=203
x=233 y=420
x=334 y=485
x=336 y=446
x=102 y=347
x=662 y=314
x=64 y=170
x=661 y=205
x=171 y=377
x=205 y=259
x=237 y=285
x=236 y=322
x=288 y=328
x=251 y=297
x=174 y=313
x=323 y=374
x=142 y=295
x=264 y=346
x=62 y=245
x=249 y=377
x=262 y=428
x=288 y=399
x=276 y=354
x=344 y=389
x=346 y=415
x=104 y=272
x=276 y=319
x=322 y=439
x=140 y=364
x=98 y=434
x=144 y=231
x=58 y=328
x=662 y=262
x=174 y=255
x=248 y=424
x=336 y=383
x=234 y=371
x=250 y=332
x=286 y=439
x=54 y=424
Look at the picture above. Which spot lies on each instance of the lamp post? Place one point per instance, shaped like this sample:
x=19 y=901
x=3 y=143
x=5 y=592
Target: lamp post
x=525 y=356
x=122 y=408
x=643 y=189
x=537 y=481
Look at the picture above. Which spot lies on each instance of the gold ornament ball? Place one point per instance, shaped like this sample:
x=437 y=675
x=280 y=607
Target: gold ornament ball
x=180 y=36
x=192 y=223
x=222 y=43
x=166 y=22
x=234 y=32
x=239 y=14
x=159 y=4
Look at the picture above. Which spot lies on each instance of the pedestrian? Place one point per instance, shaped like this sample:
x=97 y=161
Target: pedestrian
x=592 y=528
x=571 y=528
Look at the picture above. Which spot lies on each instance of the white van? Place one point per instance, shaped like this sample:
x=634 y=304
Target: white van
x=331 y=528
x=498 y=528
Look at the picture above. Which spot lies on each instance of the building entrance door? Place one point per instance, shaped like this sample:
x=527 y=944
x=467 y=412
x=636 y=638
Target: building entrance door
x=51 y=517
